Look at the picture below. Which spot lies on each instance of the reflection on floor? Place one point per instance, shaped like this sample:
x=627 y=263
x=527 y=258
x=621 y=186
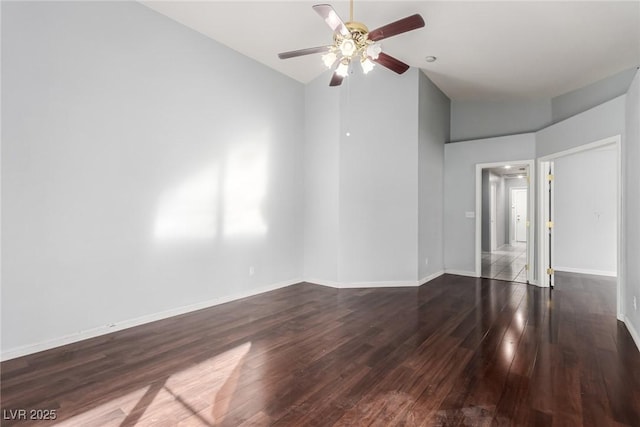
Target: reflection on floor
x=506 y=263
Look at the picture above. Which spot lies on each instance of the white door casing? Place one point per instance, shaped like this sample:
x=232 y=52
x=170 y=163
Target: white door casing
x=493 y=210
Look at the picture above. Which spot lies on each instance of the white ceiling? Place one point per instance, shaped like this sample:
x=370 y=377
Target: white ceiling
x=486 y=50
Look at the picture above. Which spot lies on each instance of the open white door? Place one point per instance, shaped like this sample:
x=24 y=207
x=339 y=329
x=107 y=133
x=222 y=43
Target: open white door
x=520 y=214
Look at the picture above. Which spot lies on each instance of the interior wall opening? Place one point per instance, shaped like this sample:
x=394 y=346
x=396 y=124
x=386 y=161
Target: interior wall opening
x=580 y=215
x=504 y=222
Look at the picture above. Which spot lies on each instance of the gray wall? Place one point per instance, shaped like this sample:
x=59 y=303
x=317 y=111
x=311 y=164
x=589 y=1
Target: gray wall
x=321 y=181
x=460 y=161
x=142 y=170
x=379 y=177
x=472 y=120
x=433 y=121
x=373 y=210
x=585 y=212
x=631 y=156
x=600 y=122
x=579 y=100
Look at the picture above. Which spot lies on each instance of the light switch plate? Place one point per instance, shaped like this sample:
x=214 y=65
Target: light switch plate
x=470 y=214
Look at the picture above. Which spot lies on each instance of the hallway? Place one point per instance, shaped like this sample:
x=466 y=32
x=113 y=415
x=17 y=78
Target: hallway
x=506 y=263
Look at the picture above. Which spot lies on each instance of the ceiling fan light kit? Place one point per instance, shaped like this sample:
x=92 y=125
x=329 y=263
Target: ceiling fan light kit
x=352 y=41
x=343 y=68
x=367 y=65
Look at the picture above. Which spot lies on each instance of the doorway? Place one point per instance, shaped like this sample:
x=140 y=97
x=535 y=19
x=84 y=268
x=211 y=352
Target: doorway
x=579 y=224
x=503 y=232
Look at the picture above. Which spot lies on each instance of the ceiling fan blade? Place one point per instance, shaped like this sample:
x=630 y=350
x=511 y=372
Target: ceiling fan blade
x=391 y=63
x=336 y=79
x=301 y=52
x=398 y=27
x=332 y=19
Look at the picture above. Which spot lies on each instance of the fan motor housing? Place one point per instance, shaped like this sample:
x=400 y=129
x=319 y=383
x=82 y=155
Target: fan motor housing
x=359 y=34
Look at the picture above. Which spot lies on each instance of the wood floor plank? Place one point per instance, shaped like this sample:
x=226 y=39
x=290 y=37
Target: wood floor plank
x=456 y=351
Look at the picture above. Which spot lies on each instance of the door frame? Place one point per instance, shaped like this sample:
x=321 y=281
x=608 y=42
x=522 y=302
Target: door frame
x=545 y=214
x=543 y=250
x=530 y=211
x=512 y=220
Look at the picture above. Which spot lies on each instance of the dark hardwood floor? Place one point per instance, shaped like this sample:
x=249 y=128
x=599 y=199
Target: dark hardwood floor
x=457 y=351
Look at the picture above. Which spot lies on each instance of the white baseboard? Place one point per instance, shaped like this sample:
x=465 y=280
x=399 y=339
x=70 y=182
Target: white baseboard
x=632 y=331
x=430 y=277
x=586 y=271
x=125 y=324
x=383 y=284
x=321 y=282
x=461 y=272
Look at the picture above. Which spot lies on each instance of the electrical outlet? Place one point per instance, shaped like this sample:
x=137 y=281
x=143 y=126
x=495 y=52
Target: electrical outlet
x=251 y=271
x=426 y=261
x=635 y=303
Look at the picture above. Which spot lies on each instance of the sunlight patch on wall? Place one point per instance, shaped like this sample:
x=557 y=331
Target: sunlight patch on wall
x=189 y=211
x=224 y=199
x=245 y=186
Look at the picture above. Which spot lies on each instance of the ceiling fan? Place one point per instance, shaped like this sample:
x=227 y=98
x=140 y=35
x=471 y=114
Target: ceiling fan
x=352 y=41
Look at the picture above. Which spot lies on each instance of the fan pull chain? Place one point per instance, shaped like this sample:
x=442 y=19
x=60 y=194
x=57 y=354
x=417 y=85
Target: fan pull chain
x=351 y=10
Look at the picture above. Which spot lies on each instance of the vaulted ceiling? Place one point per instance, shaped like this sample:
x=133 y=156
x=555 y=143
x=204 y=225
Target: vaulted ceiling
x=485 y=50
